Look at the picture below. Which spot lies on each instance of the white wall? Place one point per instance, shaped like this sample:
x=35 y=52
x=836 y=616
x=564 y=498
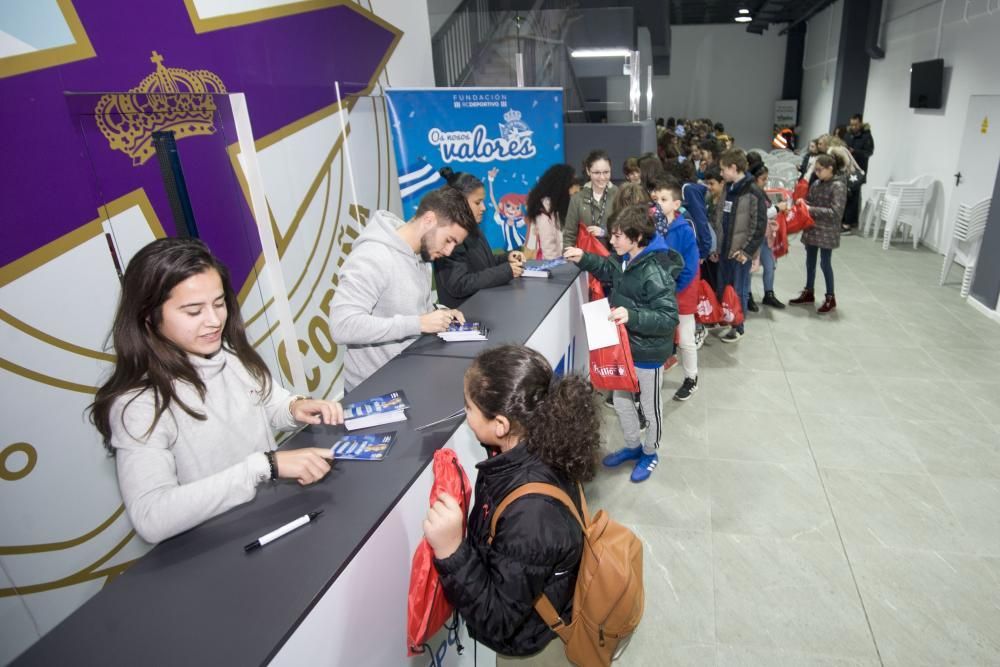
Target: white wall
x=910 y=142
x=722 y=72
x=819 y=68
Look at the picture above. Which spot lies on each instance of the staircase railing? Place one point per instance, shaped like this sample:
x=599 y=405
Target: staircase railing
x=456 y=47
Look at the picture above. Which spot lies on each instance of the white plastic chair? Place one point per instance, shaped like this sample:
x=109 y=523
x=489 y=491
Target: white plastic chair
x=970 y=225
x=908 y=207
x=785 y=171
x=871 y=218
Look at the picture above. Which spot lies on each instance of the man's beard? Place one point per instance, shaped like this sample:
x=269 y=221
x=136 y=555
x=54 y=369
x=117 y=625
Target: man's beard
x=425 y=253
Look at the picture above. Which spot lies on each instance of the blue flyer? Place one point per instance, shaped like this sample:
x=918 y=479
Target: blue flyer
x=364 y=447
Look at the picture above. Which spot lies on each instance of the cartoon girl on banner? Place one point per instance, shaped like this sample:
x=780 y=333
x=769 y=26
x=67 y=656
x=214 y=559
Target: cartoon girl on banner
x=509 y=214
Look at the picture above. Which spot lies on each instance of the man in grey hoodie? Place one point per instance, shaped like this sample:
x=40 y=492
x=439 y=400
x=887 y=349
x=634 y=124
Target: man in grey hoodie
x=384 y=299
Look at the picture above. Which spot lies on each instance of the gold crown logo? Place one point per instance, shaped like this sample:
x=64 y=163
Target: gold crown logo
x=169 y=99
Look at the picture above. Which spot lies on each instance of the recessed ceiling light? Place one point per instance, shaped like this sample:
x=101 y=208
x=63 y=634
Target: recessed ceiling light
x=743 y=19
x=744 y=11
x=601 y=53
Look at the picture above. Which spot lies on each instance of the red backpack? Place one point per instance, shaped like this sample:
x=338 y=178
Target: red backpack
x=732 y=309
x=427 y=607
x=586 y=242
x=708 y=310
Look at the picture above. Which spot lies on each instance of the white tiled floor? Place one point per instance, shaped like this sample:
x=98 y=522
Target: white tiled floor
x=831 y=495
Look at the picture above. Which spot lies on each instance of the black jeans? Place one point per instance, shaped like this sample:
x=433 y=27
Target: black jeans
x=825 y=262
x=852 y=209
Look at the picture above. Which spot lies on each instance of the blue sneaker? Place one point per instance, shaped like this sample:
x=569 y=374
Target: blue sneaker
x=644 y=467
x=622 y=455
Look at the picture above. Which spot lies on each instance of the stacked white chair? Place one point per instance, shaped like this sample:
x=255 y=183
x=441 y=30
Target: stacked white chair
x=785 y=171
x=871 y=214
x=906 y=205
x=970 y=224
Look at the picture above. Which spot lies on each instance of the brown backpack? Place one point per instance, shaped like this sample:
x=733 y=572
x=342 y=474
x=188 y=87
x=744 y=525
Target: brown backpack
x=608 y=600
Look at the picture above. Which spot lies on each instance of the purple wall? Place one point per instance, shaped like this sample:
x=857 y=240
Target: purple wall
x=57 y=168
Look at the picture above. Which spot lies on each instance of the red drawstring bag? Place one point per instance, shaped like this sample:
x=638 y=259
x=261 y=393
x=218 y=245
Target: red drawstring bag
x=708 y=311
x=427 y=607
x=780 y=247
x=801 y=189
x=797 y=218
x=586 y=242
x=612 y=367
x=732 y=309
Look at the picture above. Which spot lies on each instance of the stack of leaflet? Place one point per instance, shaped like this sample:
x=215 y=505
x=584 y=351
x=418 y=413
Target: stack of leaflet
x=362 y=446
x=541 y=268
x=464 y=331
x=375 y=411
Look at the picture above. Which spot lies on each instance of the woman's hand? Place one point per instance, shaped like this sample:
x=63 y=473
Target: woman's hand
x=516 y=257
x=596 y=230
x=305 y=466
x=443 y=526
x=619 y=315
x=572 y=254
x=314 y=411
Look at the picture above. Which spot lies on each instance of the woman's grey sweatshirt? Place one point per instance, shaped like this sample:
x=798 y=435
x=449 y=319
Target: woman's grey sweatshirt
x=186 y=471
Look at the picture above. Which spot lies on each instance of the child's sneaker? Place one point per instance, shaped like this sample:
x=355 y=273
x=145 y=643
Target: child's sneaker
x=700 y=332
x=644 y=466
x=733 y=336
x=689 y=387
x=622 y=455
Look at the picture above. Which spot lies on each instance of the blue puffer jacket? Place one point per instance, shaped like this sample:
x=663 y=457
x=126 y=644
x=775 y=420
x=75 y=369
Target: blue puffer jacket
x=693 y=195
x=679 y=236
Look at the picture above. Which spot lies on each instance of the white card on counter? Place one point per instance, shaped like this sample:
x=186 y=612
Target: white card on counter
x=601 y=332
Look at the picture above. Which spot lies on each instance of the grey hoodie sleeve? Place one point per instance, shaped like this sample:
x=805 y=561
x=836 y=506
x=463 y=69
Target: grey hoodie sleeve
x=363 y=281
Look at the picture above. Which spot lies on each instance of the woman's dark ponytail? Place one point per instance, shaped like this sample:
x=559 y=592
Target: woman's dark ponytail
x=464 y=183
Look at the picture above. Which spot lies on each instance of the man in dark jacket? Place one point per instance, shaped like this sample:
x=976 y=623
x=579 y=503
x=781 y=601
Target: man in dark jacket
x=643 y=298
x=740 y=222
x=861 y=145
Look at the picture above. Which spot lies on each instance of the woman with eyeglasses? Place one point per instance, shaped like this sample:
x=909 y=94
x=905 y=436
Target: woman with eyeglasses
x=592 y=204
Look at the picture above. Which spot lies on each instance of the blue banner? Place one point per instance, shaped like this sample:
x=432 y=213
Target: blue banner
x=506 y=137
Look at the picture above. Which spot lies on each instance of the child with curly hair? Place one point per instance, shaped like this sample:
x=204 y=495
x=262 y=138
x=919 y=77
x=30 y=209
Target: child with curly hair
x=537 y=427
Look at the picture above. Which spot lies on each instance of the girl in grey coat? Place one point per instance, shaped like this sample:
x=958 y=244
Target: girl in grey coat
x=826 y=199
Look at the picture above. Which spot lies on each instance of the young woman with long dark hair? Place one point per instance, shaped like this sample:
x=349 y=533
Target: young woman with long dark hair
x=190 y=408
x=548 y=203
x=472 y=265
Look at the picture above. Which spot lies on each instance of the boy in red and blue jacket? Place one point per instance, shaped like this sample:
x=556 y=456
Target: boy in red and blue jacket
x=679 y=234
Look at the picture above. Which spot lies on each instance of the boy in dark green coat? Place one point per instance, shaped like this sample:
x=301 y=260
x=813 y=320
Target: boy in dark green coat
x=643 y=298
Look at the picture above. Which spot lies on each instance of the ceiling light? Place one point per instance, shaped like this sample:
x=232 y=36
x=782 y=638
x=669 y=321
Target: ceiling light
x=601 y=53
x=743 y=19
x=744 y=11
